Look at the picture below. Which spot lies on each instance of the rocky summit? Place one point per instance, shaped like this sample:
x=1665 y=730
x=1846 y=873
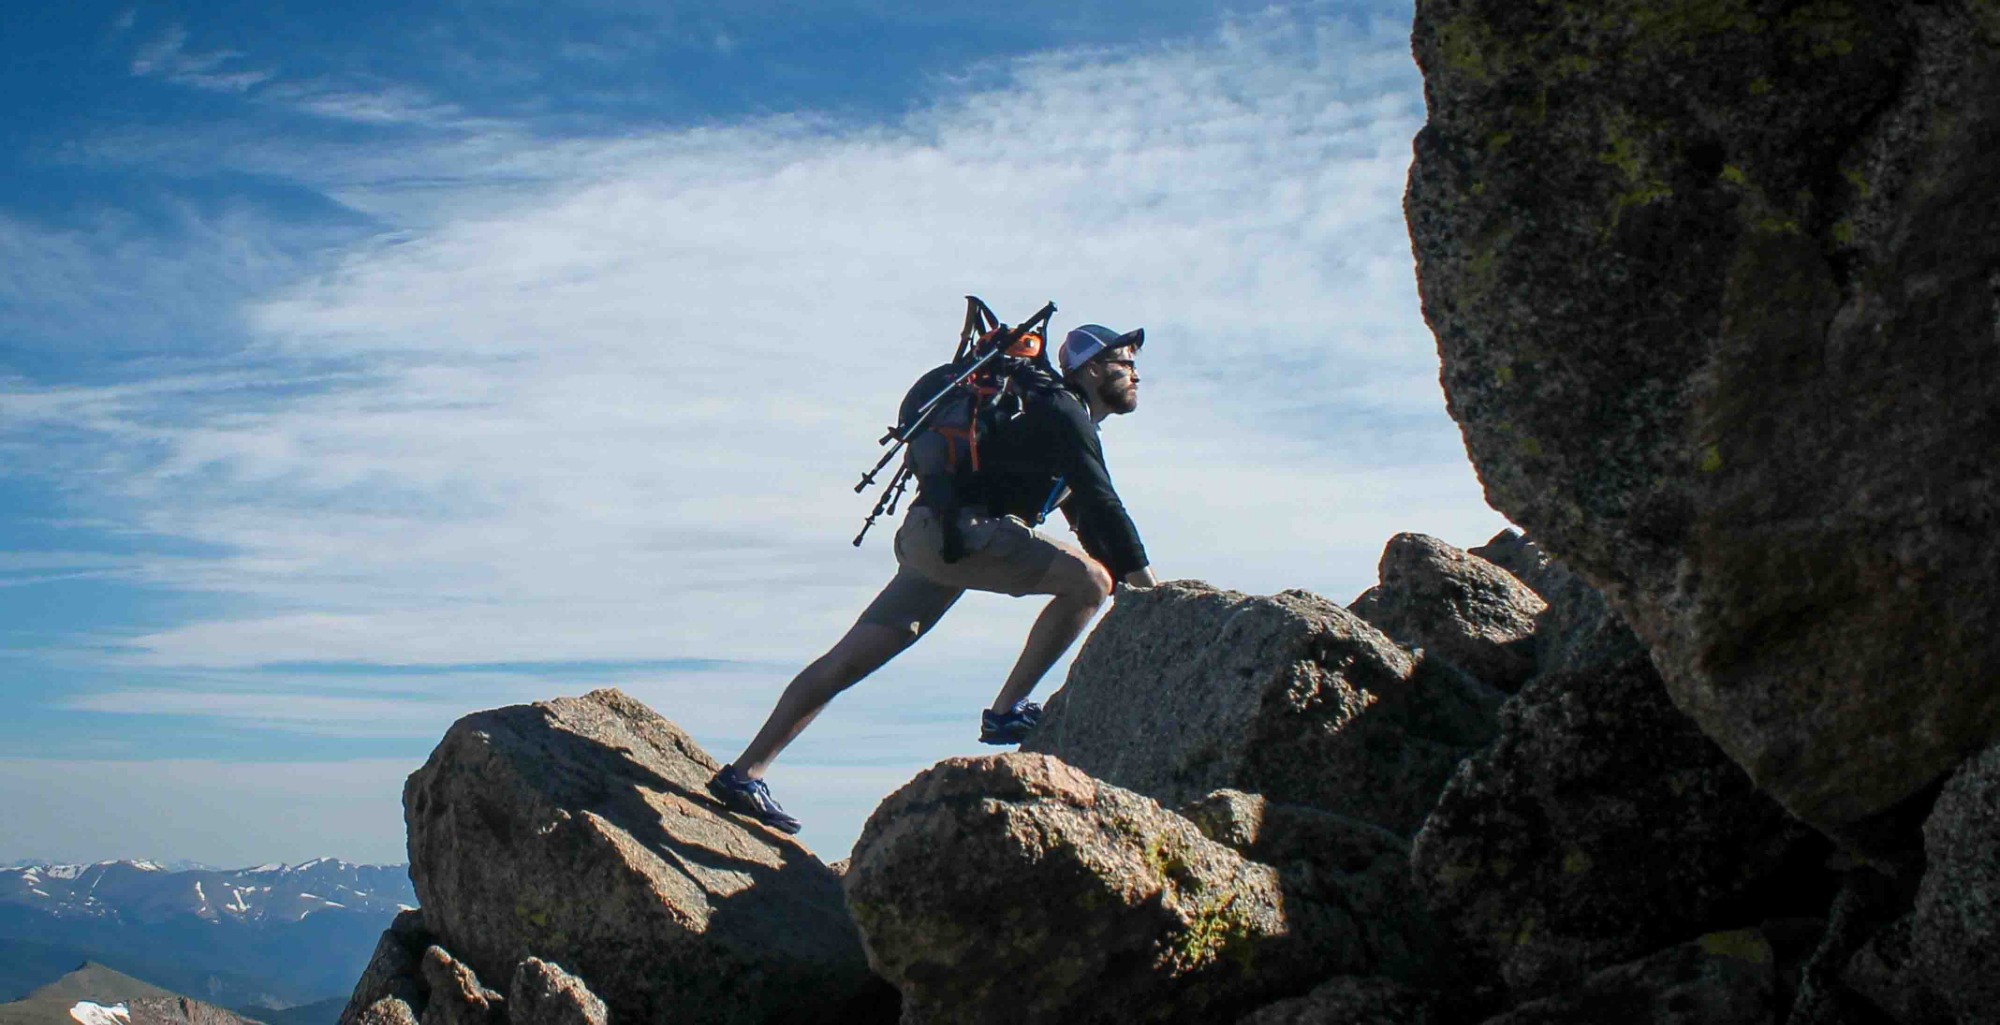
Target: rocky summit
x=1713 y=286
x=1586 y=854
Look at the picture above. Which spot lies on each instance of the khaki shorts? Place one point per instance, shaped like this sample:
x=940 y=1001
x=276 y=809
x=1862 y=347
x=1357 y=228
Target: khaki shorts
x=1003 y=555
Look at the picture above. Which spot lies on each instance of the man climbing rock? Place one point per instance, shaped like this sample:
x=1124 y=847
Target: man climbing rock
x=1049 y=456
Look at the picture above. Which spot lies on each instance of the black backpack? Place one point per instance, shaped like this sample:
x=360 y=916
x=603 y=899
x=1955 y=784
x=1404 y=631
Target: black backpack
x=952 y=408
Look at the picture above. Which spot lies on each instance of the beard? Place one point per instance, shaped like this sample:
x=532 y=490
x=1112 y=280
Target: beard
x=1118 y=396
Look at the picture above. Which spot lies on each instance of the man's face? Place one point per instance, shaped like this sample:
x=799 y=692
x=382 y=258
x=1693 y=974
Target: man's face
x=1115 y=378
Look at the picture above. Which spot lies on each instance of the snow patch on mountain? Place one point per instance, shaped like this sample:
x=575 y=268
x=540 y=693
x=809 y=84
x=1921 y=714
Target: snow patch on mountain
x=87 y=1013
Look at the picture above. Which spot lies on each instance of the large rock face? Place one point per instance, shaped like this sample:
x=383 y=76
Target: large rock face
x=1714 y=287
x=579 y=831
x=1015 y=889
x=1184 y=689
x=1602 y=825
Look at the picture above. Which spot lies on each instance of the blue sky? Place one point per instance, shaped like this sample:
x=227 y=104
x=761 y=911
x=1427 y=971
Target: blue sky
x=360 y=368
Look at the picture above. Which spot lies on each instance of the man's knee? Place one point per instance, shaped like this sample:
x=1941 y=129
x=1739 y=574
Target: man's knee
x=1084 y=579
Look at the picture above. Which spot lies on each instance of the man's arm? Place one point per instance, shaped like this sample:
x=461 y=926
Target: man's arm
x=1141 y=577
x=1094 y=507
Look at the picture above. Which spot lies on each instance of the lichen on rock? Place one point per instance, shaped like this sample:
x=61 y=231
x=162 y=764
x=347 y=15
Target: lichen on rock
x=1014 y=888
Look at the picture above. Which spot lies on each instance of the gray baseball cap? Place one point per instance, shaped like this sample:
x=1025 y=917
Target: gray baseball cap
x=1089 y=341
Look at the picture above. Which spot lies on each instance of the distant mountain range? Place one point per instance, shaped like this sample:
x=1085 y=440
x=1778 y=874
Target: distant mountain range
x=144 y=891
x=256 y=940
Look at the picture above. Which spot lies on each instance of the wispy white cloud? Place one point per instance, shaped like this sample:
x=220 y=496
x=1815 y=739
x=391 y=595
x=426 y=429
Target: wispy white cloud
x=381 y=104
x=168 y=57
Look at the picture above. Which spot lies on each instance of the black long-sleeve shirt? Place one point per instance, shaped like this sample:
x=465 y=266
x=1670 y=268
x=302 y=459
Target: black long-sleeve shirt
x=1053 y=444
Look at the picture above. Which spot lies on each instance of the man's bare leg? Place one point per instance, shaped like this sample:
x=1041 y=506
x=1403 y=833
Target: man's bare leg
x=865 y=648
x=1080 y=585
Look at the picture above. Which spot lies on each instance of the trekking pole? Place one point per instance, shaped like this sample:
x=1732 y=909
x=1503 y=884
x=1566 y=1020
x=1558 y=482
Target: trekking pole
x=887 y=502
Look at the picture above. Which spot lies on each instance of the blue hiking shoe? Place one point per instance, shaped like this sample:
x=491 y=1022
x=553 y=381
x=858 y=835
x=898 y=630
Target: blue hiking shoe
x=752 y=797
x=1011 y=726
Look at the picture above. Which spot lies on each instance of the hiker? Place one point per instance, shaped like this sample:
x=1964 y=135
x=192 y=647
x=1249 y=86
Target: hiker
x=1023 y=469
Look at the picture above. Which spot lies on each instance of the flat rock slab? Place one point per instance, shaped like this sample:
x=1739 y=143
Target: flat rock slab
x=1713 y=287
x=1184 y=689
x=1015 y=889
x=579 y=831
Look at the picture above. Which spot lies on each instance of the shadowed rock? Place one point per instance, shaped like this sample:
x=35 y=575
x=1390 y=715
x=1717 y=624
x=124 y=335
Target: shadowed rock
x=1456 y=606
x=1015 y=889
x=1324 y=860
x=1578 y=630
x=1351 y=1000
x=454 y=994
x=1714 y=292
x=1955 y=929
x=578 y=830
x=1601 y=825
x=1184 y=689
x=1720 y=979
x=391 y=974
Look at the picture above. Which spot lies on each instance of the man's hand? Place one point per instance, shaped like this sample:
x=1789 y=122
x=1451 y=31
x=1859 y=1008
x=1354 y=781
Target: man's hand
x=1142 y=577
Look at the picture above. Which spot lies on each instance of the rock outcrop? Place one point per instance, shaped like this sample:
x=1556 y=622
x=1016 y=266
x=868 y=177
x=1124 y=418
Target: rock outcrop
x=1185 y=689
x=544 y=994
x=454 y=994
x=411 y=980
x=1594 y=856
x=1714 y=291
x=1016 y=889
x=1455 y=606
x=391 y=990
x=1602 y=825
x=579 y=831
